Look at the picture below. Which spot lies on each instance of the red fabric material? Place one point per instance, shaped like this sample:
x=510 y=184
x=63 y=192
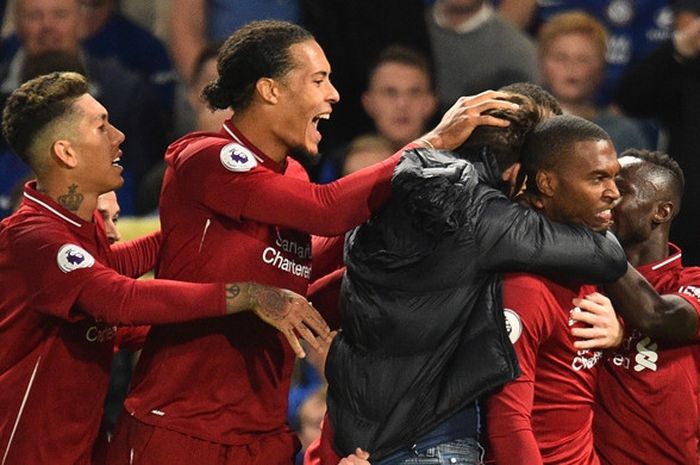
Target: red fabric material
x=56 y=329
x=647 y=410
x=159 y=446
x=227 y=381
x=545 y=415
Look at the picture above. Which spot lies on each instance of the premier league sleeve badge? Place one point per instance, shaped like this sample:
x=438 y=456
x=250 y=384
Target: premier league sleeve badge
x=237 y=158
x=72 y=257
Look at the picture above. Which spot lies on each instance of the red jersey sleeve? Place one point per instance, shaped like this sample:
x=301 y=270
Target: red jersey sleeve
x=136 y=257
x=509 y=411
x=268 y=197
x=68 y=282
x=690 y=291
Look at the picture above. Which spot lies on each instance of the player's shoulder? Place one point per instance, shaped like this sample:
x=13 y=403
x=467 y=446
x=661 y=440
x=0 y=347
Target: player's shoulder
x=211 y=151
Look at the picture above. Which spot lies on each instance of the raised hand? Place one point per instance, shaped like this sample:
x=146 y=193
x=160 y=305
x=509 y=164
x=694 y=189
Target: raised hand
x=464 y=116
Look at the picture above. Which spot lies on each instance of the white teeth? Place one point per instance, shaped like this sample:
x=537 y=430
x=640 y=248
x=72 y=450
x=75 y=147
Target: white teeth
x=324 y=116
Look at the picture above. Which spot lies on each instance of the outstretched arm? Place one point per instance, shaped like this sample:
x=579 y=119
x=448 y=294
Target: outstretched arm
x=672 y=317
x=329 y=209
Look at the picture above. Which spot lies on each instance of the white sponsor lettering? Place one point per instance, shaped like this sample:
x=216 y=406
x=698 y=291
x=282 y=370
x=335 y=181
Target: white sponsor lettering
x=646 y=355
x=100 y=334
x=691 y=291
x=586 y=359
x=274 y=257
x=301 y=251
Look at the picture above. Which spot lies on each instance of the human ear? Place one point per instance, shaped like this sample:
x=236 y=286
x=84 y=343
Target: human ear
x=267 y=90
x=545 y=182
x=63 y=150
x=664 y=212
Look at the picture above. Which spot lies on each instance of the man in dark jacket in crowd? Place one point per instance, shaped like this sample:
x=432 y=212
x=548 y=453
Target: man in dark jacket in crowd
x=423 y=329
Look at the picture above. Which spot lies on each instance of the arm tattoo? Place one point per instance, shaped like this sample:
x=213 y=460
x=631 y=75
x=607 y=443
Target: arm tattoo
x=232 y=291
x=271 y=302
x=72 y=200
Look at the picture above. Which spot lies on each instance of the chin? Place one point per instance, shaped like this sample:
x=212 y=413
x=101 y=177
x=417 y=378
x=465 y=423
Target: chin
x=305 y=156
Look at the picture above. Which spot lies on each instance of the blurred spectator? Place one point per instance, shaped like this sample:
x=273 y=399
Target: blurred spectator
x=364 y=151
x=666 y=85
x=635 y=28
x=108 y=33
x=399 y=99
x=51 y=26
x=204 y=119
x=195 y=23
x=353 y=34
x=475 y=49
x=572 y=62
x=311 y=414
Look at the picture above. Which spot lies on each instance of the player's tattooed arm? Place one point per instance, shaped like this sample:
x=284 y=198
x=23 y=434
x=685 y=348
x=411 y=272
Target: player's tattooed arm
x=286 y=311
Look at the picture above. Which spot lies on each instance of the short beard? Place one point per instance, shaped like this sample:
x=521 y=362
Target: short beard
x=303 y=156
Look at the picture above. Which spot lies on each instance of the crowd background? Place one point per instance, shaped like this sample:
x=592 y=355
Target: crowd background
x=396 y=63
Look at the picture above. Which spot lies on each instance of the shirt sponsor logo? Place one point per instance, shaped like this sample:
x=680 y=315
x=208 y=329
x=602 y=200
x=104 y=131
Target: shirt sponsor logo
x=274 y=257
x=514 y=325
x=691 y=291
x=237 y=158
x=72 y=257
x=100 y=333
x=647 y=355
x=293 y=247
x=586 y=359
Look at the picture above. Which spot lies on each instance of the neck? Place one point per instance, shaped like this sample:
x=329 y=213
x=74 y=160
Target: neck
x=70 y=196
x=253 y=124
x=653 y=249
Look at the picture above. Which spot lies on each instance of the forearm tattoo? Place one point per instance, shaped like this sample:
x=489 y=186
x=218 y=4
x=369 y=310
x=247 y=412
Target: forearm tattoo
x=232 y=291
x=72 y=200
x=272 y=302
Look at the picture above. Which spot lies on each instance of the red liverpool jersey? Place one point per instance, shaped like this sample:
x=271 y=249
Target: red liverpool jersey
x=59 y=301
x=545 y=415
x=647 y=411
x=229 y=212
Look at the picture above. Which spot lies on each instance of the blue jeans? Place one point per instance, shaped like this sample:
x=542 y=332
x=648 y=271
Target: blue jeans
x=466 y=451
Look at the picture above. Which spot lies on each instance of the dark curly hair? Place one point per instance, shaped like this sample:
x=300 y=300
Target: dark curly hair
x=36 y=105
x=258 y=49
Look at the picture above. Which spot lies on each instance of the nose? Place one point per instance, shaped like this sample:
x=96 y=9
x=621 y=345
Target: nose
x=113 y=234
x=333 y=95
x=118 y=137
x=611 y=192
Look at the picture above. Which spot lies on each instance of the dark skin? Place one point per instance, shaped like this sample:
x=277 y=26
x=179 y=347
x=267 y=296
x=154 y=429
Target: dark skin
x=643 y=219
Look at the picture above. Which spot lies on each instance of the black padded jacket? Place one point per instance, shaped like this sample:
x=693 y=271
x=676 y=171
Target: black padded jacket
x=422 y=316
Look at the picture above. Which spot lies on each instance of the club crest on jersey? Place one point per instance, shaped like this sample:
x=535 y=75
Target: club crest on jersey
x=72 y=257
x=237 y=158
x=513 y=325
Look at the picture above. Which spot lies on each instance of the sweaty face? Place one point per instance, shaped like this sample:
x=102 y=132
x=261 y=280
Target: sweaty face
x=97 y=148
x=108 y=207
x=584 y=190
x=48 y=25
x=572 y=67
x=400 y=101
x=633 y=215
x=305 y=97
